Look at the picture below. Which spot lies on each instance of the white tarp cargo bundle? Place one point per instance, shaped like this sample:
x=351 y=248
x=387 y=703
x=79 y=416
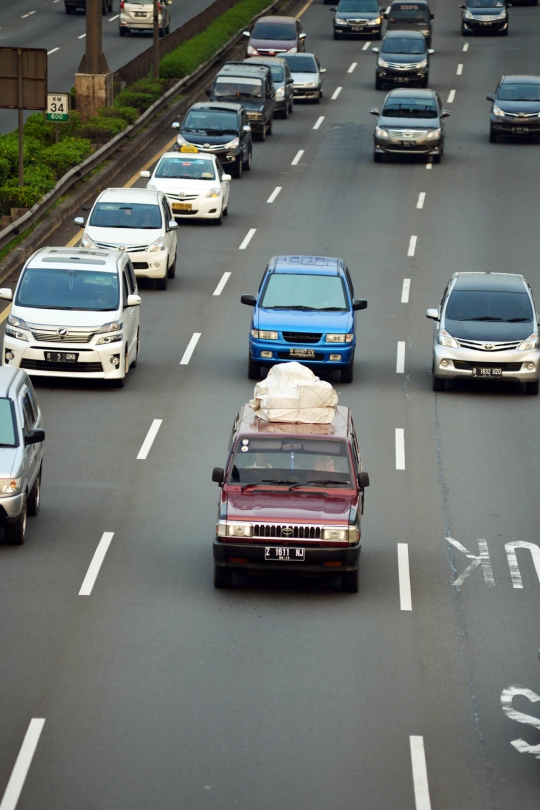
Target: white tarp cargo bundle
x=292 y=393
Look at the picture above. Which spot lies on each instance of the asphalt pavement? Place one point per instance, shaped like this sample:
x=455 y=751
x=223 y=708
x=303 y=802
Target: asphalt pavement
x=158 y=691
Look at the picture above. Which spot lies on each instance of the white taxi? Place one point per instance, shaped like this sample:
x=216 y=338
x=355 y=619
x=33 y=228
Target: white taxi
x=194 y=184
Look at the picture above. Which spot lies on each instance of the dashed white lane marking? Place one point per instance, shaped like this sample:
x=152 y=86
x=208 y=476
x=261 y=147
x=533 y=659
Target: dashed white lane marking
x=224 y=279
x=27 y=15
x=248 y=238
x=400 y=359
x=400 y=449
x=53 y=51
x=412 y=246
x=366 y=46
x=405 y=290
x=274 y=194
x=297 y=158
x=421 y=198
x=429 y=164
x=149 y=441
x=113 y=18
x=352 y=67
x=93 y=571
x=82 y=36
x=318 y=122
x=186 y=357
x=451 y=96
x=419 y=774
x=459 y=70
x=405 y=599
x=466 y=46
x=336 y=93
x=22 y=765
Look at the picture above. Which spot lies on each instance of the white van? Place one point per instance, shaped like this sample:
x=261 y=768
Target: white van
x=138 y=15
x=75 y=313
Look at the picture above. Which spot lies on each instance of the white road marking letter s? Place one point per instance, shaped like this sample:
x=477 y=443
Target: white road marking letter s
x=482 y=559
x=515 y=573
x=507 y=698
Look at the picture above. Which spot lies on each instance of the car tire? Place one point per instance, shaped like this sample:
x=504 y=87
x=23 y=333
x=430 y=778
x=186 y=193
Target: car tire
x=168 y=30
x=438 y=383
x=347 y=373
x=350 y=581
x=532 y=387
x=336 y=35
x=226 y=211
x=34 y=498
x=269 y=130
x=123 y=32
x=171 y=272
x=247 y=164
x=218 y=220
x=285 y=113
x=111 y=6
x=377 y=157
x=291 y=107
x=437 y=158
x=378 y=84
x=15 y=534
x=223 y=577
x=262 y=134
x=378 y=36
x=137 y=349
x=236 y=170
x=162 y=283
x=254 y=369
x=504 y=33
x=103 y=9
x=69 y=9
x=493 y=137
x=425 y=81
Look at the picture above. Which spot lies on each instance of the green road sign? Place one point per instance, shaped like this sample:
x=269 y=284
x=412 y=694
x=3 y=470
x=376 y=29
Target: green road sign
x=57 y=107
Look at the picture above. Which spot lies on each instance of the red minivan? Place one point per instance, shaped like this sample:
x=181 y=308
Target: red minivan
x=273 y=36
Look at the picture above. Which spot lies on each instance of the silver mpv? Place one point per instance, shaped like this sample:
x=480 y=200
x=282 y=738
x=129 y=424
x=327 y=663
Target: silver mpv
x=486 y=328
x=21 y=453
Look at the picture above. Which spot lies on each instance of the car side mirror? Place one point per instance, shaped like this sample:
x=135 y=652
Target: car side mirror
x=322 y=70
x=490 y=97
x=207 y=92
x=79 y=221
x=173 y=225
x=432 y=16
x=363 y=480
x=246 y=128
x=462 y=5
x=146 y=174
x=6 y=294
x=34 y=436
x=430 y=51
x=226 y=177
x=333 y=8
x=374 y=111
x=445 y=114
x=250 y=300
x=175 y=125
x=433 y=314
x=246 y=34
x=133 y=301
x=375 y=50
x=359 y=303
x=218 y=475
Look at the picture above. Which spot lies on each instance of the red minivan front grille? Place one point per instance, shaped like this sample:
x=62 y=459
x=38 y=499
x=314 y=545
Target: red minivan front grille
x=287 y=531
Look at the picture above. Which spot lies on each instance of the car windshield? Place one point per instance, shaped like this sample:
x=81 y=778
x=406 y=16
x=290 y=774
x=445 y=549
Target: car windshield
x=125 y=215
x=8 y=432
x=186 y=168
x=279 y=31
x=514 y=91
x=400 y=107
x=404 y=45
x=51 y=288
x=489 y=305
x=408 y=11
x=237 y=87
x=485 y=4
x=301 y=64
x=210 y=121
x=304 y=291
x=277 y=72
x=358 y=5
x=289 y=462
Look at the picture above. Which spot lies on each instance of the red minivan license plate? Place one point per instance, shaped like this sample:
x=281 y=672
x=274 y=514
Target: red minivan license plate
x=285 y=554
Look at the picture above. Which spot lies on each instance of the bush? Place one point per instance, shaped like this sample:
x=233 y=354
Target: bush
x=18 y=198
x=128 y=114
x=61 y=157
x=4 y=171
x=9 y=152
x=132 y=98
x=42 y=178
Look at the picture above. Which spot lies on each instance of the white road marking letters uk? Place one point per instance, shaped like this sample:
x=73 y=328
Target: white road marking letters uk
x=365 y=46
x=224 y=279
x=515 y=573
x=483 y=559
x=451 y=96
x=190 y=349
x=507 y=698
x=400 y=449
x=419 y=773
x=318 y=122
x=459 y=70
x=466 y=46
x=149 y=441
x=336 y=93
x=53 y=51
x=248 y=238
x=352 y=67
x=274 y=194
x=412 y=246
x=405 y=290
x=22 y=765
x=400 y=360
x=421 y=198
x=296 y=159
x=93 y=571
x=405 y=599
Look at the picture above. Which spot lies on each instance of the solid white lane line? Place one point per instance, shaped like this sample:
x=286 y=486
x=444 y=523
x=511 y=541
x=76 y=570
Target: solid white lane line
x=318 y=122
x=186 y=357
x=248 y=238
x=405 y=291
x=400 y=360
x=405 y=599
x=296 y=159
x=419 y=774
x=412 y=246
x=150 y=436
x=400 y=449
x=352 y=67
x=274 y=194
x=224 y=279
x=93 y=571
x=459 y=70
x=366 y=46
x=466 y=46
x=53 y=51
x=82 y=36
x=336 y=93
x=22 y=765
x=421 y=198
x=113 y=18
x=451 y=96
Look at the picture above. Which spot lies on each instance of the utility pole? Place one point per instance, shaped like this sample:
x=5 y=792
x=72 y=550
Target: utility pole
x=93 y=81
x=156 y=39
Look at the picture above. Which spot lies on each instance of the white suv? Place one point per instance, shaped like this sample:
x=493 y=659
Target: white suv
x=138 y=221
x=138 y=15
x=75 y=313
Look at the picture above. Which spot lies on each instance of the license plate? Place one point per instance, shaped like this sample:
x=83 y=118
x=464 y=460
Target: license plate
x=486 y=23
x=140 y=14
x=61 y=357
x=520 y=129
x=302 y=353
x=478 y=371
x=401 y=79
x=285 y=554
x=357 y=27
x=181 y=206
x=407 y=143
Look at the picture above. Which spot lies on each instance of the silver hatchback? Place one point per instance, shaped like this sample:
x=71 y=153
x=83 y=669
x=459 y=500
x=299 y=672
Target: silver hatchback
x=486 y=328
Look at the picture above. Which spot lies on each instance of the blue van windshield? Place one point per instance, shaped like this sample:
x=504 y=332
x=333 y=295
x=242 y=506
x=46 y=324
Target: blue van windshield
x=304 y=291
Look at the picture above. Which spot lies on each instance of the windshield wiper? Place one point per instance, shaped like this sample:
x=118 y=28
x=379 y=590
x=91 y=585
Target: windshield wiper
x=310 y=309
x=517 y=320
x=279 y=481
x=481 y=318
x=325 y=483
x=332 y=309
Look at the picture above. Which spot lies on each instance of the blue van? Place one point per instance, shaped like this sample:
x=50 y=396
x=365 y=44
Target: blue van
x=304 y=311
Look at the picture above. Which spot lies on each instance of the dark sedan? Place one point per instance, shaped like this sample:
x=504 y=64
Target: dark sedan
x=403 y=59
x=354 y=17
x=485 y=17
x=516 y=107
x=411 y=123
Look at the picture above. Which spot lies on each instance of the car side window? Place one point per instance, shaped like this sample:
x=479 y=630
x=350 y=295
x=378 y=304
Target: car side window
x=349 y=281
x=219 y=171
x=125 y=287
x=33 y=403
x=131 y=276
x=28 y=413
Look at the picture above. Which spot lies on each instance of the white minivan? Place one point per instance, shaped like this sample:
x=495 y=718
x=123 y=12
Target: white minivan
x=139 y=221
x=138 y=15
x=75 y=313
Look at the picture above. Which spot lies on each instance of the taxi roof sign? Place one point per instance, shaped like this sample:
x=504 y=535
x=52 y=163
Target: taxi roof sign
x=188 y=148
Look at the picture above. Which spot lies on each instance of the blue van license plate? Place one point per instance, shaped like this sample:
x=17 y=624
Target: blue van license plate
x=302 y=353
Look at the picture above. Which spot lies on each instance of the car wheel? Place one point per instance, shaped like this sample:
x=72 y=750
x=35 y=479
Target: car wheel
x=223 y=577
x=247 y=164
x=532 y=387
x=34 y=498
x=218 y=220
x=162 y=283
x=437 y=158
x=378 y=84
x=438 y=383
x=111 y=5
x=493 y=137
x=236 y=170
x=69 y=9
x=161 y=33
x=425 y=81
x=347 y=373
x=254 y=370
x=168 y=30
x=285 y=113
x=270 y=127
x=137 y=349
x=350 y=581
x=15 y=534
x=171 y=272
x=261 y=135
x=504 y=33
x=291 y=107
x=123 y=32
x=226 y=211
x=317 y=100
x=378 y=36
x=103 y=9
x=377 y=157
x=336 y=35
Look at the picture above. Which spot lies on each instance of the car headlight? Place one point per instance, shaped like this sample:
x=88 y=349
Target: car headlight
x=468 y=15
x=376 y=21
x=354 y=534
x=18 y=322
x=422 y=64
x=264 y=334
x=311 y=84
x=292 y=50
x=335 y=535
x=213 y=192
x=86 y=242
x=382 y=62
x=339 y=21
x=381 y=133
x=236 y=530
x=116 y=337
x=251 y=51
x=445 y=339
x=432 y=134
x=156 y=246
x=529 y=343
x=341 y=338
x=112 y=326
x=497 y=111
x=9 y=486
x=14 y=334
x=181 y=141
x=280 y=93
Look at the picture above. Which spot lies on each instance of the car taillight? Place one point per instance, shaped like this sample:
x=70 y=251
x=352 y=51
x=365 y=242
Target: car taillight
x=159 y=6
x=121 y=5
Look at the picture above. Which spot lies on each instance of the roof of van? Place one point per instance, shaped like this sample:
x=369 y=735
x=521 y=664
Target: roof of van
x=325 y=265
x=129 y=195
x=250 y=424
x=243 y=69
x=104 y=260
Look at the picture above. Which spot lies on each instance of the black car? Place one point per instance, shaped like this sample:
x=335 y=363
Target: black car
x=410 y=123
x=403 y=59
x=251 y=86
x=516 y=107
x=357 y=17
x=410 y=17
x=485 y=17
x=220 y=128
x=283 y=82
